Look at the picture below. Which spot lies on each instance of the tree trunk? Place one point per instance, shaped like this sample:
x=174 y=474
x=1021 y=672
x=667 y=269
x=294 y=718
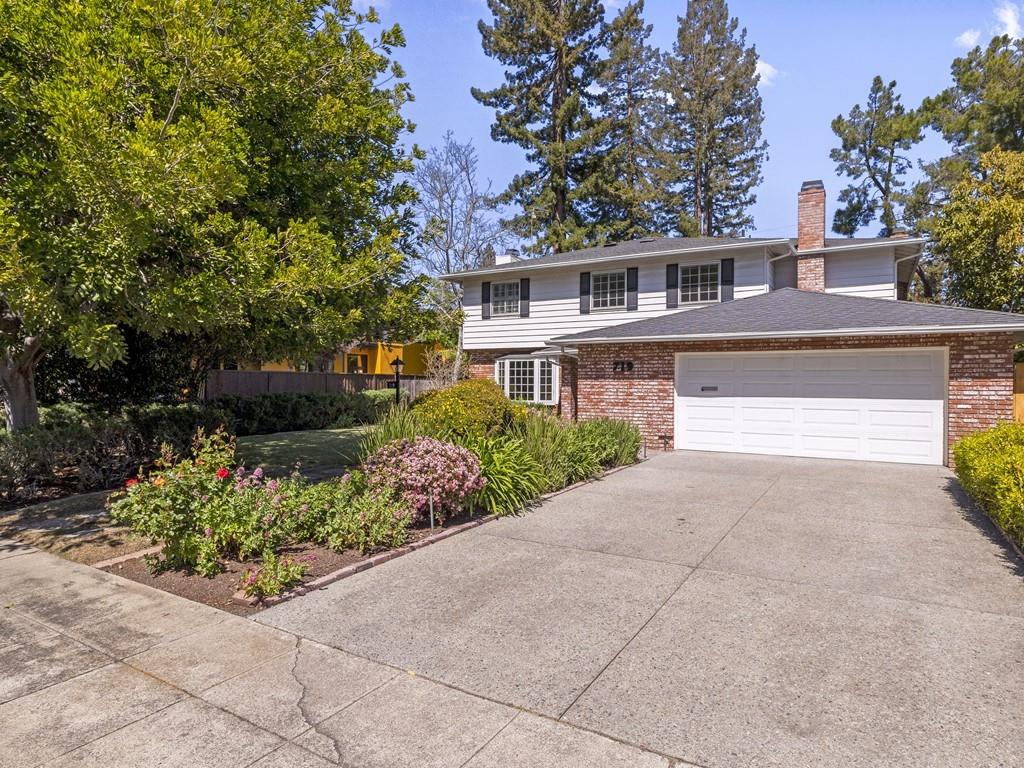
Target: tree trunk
x=19 y=395
x=457 y=367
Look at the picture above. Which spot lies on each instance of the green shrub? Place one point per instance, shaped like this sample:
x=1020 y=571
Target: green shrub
x=288 y=412
x=472 y=408
x=183 y=505
x=514 y=478
x=990 y=467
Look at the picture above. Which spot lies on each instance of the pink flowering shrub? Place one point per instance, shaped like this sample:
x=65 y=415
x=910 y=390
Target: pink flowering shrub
x=425 y=467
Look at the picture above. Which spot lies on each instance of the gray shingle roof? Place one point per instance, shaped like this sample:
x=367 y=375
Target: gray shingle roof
x=790 y=312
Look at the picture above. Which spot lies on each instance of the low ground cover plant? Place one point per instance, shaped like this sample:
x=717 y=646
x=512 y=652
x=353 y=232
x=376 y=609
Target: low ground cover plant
x=990 y=467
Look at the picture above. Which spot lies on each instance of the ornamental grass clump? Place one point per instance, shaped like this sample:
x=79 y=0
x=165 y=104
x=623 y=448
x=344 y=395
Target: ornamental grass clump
x=424 y=469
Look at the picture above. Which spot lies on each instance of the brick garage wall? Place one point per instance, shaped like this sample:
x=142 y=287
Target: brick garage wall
x=980 y=377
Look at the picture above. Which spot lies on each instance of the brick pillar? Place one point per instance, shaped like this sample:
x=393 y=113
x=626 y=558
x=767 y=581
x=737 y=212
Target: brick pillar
x=810 y=267
x=567 y=387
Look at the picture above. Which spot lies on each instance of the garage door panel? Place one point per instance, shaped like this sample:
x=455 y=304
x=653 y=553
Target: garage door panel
x=902 y=419
x=855 y=405
x=758 y=442
x=831 y=446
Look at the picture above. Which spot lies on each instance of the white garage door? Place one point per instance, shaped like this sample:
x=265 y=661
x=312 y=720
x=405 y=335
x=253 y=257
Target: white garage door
x=874 y=405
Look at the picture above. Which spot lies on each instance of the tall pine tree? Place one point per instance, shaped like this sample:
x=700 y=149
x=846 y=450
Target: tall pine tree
x=713 y=121
x=628 y=188
x=873 y=140
x=550 y=49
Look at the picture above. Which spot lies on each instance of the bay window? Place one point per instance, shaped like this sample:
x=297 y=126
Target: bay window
x=530 y=379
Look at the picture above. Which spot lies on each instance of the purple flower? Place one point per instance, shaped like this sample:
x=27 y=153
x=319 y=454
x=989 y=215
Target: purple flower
x=257 y=473
x=208 y=532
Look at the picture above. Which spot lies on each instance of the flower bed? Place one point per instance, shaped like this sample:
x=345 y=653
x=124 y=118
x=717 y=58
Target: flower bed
x=214 y=517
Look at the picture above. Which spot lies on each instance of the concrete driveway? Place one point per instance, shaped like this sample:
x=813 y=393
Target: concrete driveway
x=723 y=610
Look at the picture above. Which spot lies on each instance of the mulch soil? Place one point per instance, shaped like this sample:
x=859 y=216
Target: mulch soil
x=219 y=590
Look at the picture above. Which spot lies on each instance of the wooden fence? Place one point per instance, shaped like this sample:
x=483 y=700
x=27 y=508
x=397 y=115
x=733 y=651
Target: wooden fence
x=251 y=383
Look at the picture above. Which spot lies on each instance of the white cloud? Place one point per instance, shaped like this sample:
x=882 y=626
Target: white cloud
x=968 y=38
x=1008 y=15
x=767 y=72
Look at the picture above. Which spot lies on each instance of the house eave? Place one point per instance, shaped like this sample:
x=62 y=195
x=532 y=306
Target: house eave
x=919 y=330
x=527 y=266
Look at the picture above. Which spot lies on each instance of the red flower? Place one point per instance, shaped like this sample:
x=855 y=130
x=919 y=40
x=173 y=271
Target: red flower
x=223 y=473
x=130 y=482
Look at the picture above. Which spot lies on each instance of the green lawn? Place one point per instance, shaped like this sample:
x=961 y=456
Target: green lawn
x=315 y=449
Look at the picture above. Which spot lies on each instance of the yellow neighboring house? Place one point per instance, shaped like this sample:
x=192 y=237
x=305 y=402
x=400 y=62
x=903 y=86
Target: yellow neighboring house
x=375 y=357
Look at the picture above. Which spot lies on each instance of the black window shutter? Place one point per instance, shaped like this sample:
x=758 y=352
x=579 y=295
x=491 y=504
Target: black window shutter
x=671 y=286
x=584 y=293
x=524 y=297
x=485 y=301
x=631 y=288
x=728 y=278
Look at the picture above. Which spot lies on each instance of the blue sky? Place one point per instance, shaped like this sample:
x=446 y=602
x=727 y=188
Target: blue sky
x=818 y=59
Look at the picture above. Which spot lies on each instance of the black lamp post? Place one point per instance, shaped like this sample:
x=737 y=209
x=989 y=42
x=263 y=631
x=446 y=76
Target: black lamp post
x=397 y=365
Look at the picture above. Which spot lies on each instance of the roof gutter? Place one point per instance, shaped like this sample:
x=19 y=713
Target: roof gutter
x=526 y=265
x=892 y=331
x=897 y=241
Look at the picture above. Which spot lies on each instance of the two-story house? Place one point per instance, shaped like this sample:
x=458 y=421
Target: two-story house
x=799 y=346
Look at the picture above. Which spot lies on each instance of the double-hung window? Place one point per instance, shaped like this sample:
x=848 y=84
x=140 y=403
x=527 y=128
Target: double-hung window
x=698 y=283
x=608 y=290
x=532 y=379
x=505 y=298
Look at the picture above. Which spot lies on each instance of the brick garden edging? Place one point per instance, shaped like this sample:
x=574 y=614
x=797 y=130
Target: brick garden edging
x=351 y=570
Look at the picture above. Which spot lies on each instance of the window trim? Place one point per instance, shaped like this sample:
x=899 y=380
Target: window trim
x=519 y=299
x=718 y=284
x=501 y=376
x=625 y=290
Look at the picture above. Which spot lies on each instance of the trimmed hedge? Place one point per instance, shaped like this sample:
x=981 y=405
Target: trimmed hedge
x=76 y=448
x=990 y=466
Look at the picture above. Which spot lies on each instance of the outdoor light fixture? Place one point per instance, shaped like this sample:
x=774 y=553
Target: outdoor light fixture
x=397 y=365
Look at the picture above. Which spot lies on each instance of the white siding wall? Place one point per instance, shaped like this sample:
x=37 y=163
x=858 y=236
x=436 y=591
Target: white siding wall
x=784 y=273
x=555 y=300
x=867 y=273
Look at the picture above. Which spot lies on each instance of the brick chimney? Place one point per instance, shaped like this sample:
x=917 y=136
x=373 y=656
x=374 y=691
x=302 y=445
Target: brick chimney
x=810 y=226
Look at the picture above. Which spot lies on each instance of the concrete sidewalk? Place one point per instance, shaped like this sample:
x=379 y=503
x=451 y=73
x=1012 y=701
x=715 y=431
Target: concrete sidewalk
x=97 y=671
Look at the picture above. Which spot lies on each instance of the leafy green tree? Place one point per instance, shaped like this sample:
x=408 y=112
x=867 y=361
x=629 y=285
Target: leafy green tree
x=980 y=234
x=982 y=109
x=629 y=185
x=713 y=126
x=551 y=50
x=226 y=170
x=873 y=142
